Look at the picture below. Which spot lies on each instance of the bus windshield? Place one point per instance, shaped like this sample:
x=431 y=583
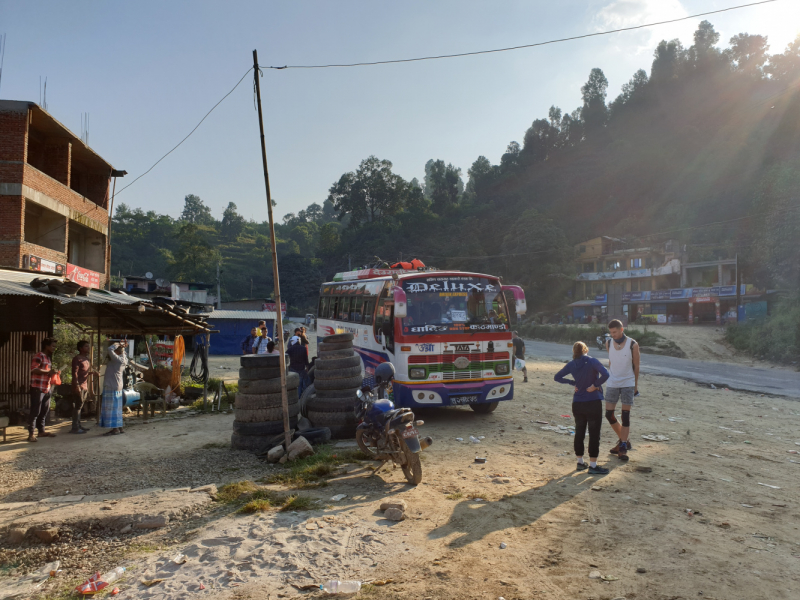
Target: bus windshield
x=454 y=304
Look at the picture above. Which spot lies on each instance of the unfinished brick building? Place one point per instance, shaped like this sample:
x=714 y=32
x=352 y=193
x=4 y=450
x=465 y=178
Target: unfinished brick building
x=54 y=193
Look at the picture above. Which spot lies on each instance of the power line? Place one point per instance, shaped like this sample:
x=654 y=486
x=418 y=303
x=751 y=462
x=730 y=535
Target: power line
x=189 y=134
x=510 y=48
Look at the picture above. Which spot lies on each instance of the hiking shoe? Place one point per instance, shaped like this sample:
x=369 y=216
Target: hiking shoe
x=598 y=470
x=582 y=466
x=615 y=449
x=77 y=431
x=32 y=438
x=525 y=380
x=622 y=452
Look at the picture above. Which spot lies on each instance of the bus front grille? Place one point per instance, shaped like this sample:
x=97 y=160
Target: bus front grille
x=453 y=375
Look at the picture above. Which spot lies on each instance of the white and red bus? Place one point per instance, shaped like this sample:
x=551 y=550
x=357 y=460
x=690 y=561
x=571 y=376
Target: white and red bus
x=446 y=332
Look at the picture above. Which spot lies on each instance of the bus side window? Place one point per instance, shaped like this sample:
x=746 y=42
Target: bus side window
x=369 y=306
x=323 y=307
x=334 y=308
x=344 y=308
x=355 y=310
x=378 y=322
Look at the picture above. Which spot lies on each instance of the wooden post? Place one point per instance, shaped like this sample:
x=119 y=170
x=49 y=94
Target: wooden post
x=276 y=281
x=99 y=407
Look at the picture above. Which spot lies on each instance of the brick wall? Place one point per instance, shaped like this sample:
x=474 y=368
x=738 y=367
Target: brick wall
x=47 y=185
x=58 y=160
x=13 y=135
x=12 y=219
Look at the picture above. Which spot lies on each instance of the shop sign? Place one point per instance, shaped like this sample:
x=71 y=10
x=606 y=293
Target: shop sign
x=84 y=277
x=710 y=291
x=636 y=296
x=679 y=293
x=661 y=318
x=601 y=298
x=42 y=265
x=660 y=295
x=704 y=299
x=271 y=306
x=727 y=290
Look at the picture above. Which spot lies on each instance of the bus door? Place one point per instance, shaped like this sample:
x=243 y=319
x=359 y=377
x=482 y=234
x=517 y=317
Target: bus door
x=384 y=323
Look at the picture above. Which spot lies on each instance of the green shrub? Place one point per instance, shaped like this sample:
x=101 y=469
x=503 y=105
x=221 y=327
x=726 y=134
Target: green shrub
x=776 y=338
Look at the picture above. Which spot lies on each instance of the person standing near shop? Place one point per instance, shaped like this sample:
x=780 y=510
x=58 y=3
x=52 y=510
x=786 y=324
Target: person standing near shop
x=298 y=363
x=260 y=345
x=111 y=411
x=81 y=369
x=623 y=362
x=249 y=341
x=41 y=381
x=519 y=355
x=588 y=376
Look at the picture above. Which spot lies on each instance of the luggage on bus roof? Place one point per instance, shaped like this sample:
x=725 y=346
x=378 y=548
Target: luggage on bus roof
x=409 y=266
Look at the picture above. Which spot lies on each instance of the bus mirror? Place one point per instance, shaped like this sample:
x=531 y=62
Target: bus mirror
x=400 y=306
x=519 y=298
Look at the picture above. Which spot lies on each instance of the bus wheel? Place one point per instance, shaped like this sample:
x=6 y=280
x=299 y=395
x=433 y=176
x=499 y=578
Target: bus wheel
x=484 y=408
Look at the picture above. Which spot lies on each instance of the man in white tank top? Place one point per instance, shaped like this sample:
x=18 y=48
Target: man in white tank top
x=623 y=364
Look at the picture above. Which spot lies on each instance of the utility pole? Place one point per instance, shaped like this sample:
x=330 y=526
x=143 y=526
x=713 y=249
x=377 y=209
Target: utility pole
x=738 y=288
x=349 y=264
x=278 y=332
x=219 y=295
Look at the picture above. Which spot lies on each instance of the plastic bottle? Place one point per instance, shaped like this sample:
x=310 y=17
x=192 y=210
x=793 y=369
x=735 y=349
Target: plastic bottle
x=112 y=576
x=341 y=587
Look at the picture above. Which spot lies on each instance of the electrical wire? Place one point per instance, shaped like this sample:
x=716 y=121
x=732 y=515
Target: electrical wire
x=188 y=135
x=534 y=45
x=199 y=369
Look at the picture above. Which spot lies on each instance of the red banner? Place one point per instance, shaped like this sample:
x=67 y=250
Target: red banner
x=84 y=277
x=271 y=306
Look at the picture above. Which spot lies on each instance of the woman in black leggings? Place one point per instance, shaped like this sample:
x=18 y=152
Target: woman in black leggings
x=588 y=375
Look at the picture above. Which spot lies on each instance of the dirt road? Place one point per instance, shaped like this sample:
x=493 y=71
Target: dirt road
x=725 y=451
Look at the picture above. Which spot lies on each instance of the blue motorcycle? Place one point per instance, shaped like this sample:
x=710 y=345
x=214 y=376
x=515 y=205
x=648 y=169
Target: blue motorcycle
x=388 y=433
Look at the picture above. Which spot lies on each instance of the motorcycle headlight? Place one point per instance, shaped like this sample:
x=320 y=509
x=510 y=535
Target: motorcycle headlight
x=417 y=373
x=502 y=369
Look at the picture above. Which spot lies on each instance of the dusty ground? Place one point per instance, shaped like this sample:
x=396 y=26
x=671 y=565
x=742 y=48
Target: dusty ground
x=557 y=524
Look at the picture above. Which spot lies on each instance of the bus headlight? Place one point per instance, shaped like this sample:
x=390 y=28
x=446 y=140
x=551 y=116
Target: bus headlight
x=416 y=373
x=502 y=369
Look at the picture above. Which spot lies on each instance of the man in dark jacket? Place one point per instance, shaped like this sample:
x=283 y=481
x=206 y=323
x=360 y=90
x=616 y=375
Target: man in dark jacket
x=298 y=363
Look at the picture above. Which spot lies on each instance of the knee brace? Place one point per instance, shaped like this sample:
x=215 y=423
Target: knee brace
x=610 y=416
x=626 y=418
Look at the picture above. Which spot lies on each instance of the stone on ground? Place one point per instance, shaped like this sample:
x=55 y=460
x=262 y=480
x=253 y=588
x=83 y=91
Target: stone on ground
x=300 y=448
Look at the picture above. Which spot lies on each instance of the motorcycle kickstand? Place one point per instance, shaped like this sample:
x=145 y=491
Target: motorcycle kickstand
x=383 y=464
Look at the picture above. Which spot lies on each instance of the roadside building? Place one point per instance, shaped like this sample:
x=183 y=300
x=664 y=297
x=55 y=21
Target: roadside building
x=54 y=197
x=192 y=295
x=658 y=284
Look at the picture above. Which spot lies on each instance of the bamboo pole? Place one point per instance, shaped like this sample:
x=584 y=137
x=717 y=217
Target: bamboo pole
x=276 y=281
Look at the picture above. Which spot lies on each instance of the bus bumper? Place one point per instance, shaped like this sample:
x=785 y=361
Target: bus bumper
x=453 y=394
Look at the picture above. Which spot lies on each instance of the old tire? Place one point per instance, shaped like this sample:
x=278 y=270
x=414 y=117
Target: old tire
x=334 y=419
x=259 y=401
x=484 y=408
x=337 y=338
x=248 y=373
x=348 y=403
x=330 y=364
x=345 y=373
x=315 y=435
x=255 y=361
x=263 y=429
x=413 y=468
x=347 y=383
x=334 y=355
x=344 y=394
x=260 y=415
x=249 y=443
x=268 y=386
x=325 y=347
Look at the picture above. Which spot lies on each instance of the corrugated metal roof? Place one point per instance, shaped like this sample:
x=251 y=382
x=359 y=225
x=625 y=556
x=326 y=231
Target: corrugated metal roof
x=17 y=283
x=242 y=315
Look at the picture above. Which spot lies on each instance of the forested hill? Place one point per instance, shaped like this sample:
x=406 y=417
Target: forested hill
x=703 y=149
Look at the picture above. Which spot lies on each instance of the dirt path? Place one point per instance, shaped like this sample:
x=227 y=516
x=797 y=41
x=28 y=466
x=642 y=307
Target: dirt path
x=558 y=525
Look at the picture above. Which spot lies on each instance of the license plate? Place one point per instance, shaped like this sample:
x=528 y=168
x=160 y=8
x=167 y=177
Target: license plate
x=463 y=399
x=410 y=432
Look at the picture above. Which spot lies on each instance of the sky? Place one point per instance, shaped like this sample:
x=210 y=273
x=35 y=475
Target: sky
x=148 y=71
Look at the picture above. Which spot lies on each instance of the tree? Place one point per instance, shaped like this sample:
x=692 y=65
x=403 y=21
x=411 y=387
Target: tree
x=785 y=68
x=195 y=211
x=314 y=213
x=442 y=185
x=369 y=194
x=510 y=159
x=328 y=240
x=481 y=175
x=593 y=92
x=540 y=139
x=632 y=90
x=195 y=259
x=668 y=58
x=748 y=53
x=232 y=222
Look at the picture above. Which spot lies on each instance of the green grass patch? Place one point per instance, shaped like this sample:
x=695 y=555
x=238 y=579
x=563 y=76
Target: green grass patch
x=775 y=338
x=455 y=496
x=258 y=505
x=297 y=503
x=315 y=469
x=233 y=492
x=253 y=499
x=212 y=445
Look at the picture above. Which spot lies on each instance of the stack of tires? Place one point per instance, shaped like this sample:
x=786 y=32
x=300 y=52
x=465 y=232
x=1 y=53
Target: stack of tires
x=330 y=402
x=258 y=409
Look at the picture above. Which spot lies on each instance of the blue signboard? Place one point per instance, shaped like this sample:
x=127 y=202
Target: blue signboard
x=635 y=296
x=679 y=293
x=600 y=298
x=727 y=290
x=709 y=291
x=660 y=295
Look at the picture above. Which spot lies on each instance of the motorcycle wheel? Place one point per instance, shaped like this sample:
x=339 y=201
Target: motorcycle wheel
x=413 y=467
x=370 y=451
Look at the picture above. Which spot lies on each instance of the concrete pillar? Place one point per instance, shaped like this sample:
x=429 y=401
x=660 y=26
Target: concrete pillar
x=58 y=160
x=719 y=274
x=683 y=277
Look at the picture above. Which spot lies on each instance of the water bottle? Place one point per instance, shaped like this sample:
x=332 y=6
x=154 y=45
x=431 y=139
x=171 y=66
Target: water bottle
x=341 y=587
x=112 y=576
